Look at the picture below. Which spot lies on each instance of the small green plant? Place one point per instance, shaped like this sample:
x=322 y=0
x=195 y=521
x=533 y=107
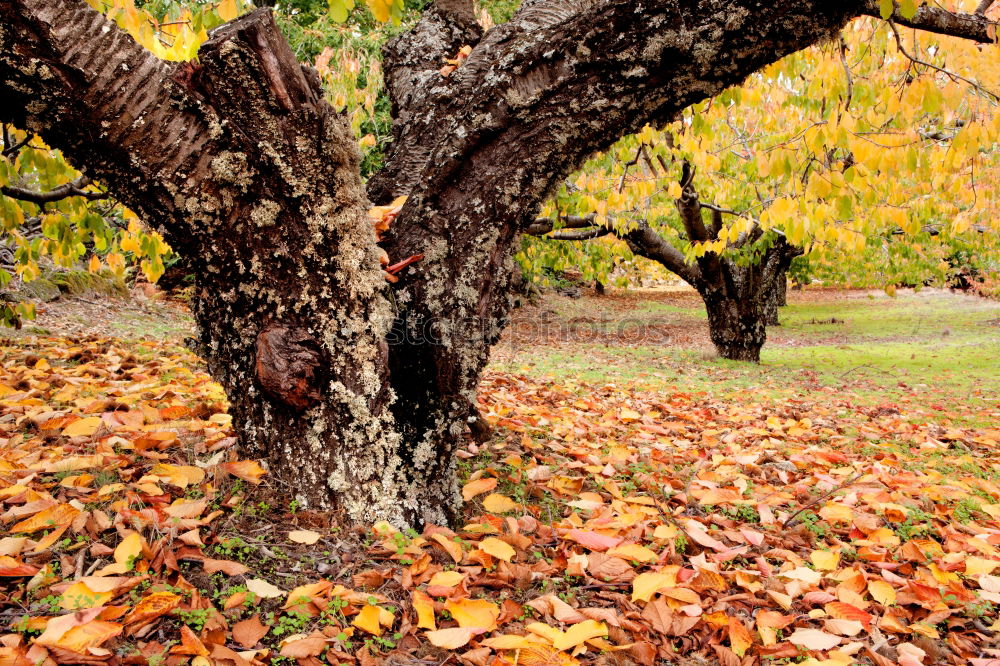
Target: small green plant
x=814 y=524
x=195 y=617
x=966 y=509
x=292 y=622
x=234 y=548
x=918 y=524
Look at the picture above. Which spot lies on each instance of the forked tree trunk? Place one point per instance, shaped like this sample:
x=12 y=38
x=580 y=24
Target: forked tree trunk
x=742 y=301
x=357 y=398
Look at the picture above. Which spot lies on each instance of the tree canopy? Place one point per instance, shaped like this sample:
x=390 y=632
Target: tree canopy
x=875 y=149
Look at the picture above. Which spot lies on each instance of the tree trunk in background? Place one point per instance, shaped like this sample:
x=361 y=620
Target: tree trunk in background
x=783 y=288
x=358 y=398
x=776 y=297
x=742 y=300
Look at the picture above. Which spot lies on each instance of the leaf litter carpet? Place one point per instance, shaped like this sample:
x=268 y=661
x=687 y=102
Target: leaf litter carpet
x=605 y=525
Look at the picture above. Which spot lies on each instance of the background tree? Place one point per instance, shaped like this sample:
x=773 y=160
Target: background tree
x=873 y=151
x=358 y=392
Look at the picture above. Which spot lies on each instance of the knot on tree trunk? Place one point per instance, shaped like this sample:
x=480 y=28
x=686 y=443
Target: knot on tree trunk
x=288 y=365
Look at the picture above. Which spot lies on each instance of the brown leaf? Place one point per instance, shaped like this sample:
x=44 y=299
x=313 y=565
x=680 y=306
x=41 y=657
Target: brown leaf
x=249 y=632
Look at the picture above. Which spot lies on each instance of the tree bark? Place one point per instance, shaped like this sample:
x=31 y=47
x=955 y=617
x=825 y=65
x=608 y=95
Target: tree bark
x=359 y=398
x=736 y=326
x=776 y=297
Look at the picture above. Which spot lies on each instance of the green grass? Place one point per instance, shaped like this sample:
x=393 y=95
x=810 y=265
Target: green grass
x=933 y=353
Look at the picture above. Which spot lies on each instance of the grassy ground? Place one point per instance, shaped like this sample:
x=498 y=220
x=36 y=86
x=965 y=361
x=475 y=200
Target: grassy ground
x=930 y=351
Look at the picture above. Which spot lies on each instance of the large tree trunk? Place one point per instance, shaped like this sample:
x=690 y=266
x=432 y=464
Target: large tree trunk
x=736 y=326
x=358 y=398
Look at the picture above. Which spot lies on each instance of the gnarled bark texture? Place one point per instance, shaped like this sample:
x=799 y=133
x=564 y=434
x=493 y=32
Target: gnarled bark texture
x=358 y=400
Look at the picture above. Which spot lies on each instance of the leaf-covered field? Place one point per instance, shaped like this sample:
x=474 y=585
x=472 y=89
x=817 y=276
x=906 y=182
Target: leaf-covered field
x=608 y=521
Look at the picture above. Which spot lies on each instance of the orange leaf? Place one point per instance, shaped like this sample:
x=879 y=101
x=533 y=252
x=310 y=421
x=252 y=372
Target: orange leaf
x=478 y=487
x=740 y=638
x=83 y=427
x=78 y=631
x=474 y=613
x=424 y=606
x=190 y=644
x=151 y=607
x=55 y=516
x=495 y=503
x=248 y=470
x=497 y=548
x=367 y=620
x=842 y=611
x=452 y=548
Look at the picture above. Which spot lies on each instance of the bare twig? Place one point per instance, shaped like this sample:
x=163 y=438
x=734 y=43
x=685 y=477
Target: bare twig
x=791 y=519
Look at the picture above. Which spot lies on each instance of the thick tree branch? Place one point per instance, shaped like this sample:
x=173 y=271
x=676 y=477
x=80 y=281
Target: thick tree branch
x=71 y=189
x=645 y=242
x=943 y=22
x=544 y=225
x=582 y=235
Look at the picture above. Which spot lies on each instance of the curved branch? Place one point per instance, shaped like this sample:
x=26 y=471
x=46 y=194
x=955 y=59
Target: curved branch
x=71 y=189
x=943 y=22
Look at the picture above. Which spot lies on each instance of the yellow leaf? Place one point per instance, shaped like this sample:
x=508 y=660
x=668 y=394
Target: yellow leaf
x=628 y=415
x=497 y=548
x=579 y=633
x=178 y=475
x=424 y=606
x=474 y=613
x=94 y=264
x=478 y=487
x=633 y=551
x=227 y=10
x=882 y=592
x=83 y=427
x=126 y=554
x=645 y=585
x=495 y=503
x=974 y=566
x=78 y=596
x=368 y=620
x=446 y=578
x=451 y=639
x=825 y=560
x=380 y=9
x=740 y=638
